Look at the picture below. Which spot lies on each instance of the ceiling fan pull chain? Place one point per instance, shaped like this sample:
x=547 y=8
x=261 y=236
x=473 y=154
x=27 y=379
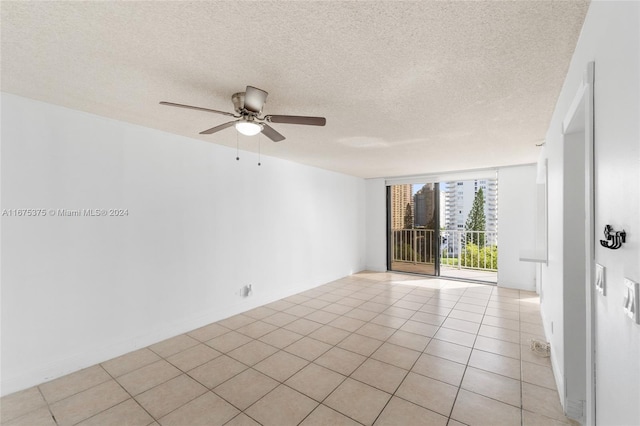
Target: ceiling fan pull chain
x=237 y=146
x=259 y=140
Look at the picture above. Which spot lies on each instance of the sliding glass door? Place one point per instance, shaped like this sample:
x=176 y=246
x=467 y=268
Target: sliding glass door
x=414 y=228
x=444 y=229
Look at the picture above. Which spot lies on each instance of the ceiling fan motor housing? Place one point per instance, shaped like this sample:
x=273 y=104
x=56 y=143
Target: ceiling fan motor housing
x=238 y=101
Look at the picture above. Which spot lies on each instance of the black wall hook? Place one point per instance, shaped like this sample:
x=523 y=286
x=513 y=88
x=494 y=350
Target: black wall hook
x=614 y=239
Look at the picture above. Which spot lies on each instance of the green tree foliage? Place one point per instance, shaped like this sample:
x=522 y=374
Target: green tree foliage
x=408 y=217
x=476 y=220
x=480 y=258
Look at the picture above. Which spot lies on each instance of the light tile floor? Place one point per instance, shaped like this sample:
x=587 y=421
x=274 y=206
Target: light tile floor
x=371 y=348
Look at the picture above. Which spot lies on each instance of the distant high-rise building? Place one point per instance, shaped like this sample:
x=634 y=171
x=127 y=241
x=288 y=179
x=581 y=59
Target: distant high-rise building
x=400 y=197
x=458 y=199
x=424 y=202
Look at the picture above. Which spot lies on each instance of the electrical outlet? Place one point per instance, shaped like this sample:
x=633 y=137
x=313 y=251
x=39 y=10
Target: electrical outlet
x=631 y=300
x=600 y=281
x=246 y=291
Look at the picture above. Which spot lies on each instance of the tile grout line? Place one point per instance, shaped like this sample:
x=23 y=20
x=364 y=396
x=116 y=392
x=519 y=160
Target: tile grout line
x=279 y=349
x=367 y=358
x=48 y=407
x=359 y=365
x=108 y=408
x=128 y=393
x=455 y=399
x=311 y=362
x=415 y=362
x=335 y=345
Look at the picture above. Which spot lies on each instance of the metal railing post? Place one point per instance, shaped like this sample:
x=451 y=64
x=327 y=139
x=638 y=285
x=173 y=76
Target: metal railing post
x=458 y=237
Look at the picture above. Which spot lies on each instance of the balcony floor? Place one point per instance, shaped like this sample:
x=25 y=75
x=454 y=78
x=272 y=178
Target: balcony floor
x=446 y=271
x=469 y=274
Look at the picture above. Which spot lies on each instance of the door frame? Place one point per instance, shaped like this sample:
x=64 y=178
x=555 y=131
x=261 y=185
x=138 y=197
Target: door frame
x=583 y=104
x=436 y=231
x=388 y=225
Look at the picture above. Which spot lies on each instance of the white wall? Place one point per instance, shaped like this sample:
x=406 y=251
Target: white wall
x=611 y=38
x=80 y=290
x=516 y=226
x=376 y=225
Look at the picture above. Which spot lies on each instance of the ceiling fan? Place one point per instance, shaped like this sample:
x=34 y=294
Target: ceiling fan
x=248 y=106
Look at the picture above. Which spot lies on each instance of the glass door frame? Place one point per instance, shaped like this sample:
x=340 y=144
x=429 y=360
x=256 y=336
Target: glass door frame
x=434 y=246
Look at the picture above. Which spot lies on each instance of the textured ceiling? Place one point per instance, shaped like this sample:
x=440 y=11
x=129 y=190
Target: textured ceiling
x=406 y=87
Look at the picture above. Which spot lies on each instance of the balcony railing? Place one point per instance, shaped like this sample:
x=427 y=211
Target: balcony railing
x=458 y=249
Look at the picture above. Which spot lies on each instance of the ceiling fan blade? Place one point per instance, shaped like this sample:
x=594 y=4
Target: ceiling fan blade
x=271 y=133
x=196 y=108
x=218 y=128
x=254 y=99
x=297 y=119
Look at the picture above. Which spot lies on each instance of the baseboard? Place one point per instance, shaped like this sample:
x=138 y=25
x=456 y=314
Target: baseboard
x=557 y=374
x=575 y=410
x=515 y=286
x=375 y=268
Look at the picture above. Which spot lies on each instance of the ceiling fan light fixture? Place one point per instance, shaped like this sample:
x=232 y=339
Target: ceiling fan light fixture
x=248 y=128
